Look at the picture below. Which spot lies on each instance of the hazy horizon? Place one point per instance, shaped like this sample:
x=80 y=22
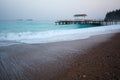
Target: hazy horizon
x=55 y=9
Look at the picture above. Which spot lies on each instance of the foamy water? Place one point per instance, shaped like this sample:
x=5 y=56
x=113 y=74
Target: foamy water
x=39 y=33
x=66 y=35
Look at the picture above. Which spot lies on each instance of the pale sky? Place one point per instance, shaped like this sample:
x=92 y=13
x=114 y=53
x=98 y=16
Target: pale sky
x=55 y=9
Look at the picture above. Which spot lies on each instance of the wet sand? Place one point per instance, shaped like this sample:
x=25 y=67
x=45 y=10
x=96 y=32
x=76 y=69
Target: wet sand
x=101 y=62
x=95 y=58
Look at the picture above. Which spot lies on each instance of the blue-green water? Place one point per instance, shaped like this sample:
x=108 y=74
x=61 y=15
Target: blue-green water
x=35 y=26
x=44 y=31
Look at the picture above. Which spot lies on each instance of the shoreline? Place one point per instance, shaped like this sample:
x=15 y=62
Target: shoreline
x=49 y=61
x=55 y=35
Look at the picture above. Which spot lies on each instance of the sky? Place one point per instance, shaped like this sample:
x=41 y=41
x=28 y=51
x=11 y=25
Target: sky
x=55 y=9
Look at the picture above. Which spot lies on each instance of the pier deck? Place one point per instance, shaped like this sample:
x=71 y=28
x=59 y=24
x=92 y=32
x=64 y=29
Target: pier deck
x=92 y=22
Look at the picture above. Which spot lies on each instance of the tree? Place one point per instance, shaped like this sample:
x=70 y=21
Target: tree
x=113 y=15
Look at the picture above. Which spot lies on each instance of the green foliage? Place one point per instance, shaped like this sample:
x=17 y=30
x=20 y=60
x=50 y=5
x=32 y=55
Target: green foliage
x=113 y=15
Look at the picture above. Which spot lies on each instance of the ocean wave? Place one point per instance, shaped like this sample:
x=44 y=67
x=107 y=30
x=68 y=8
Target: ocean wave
x=58 y=35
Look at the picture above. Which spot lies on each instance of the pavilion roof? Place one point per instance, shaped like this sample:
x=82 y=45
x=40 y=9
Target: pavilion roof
x=80 y=15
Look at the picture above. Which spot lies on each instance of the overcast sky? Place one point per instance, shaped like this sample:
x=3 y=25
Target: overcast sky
x=55 y=9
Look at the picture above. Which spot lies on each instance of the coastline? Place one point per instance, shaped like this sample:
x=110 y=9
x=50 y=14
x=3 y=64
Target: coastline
x=52 y=36
x=67 y=60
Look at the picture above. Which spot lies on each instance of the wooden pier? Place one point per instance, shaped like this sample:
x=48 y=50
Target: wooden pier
x=92 y=22
x=80 y=19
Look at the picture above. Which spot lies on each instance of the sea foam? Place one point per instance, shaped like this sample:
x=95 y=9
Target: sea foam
x=57 y=35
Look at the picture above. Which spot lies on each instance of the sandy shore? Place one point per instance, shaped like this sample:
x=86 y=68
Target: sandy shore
x=95 y=58
x=101 y=62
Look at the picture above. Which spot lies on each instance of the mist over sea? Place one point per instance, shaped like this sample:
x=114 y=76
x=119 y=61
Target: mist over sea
x=15 y=32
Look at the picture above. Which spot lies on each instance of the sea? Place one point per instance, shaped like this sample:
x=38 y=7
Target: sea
x=33 y=32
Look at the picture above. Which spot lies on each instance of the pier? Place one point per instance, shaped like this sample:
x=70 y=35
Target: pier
x=92 y=22
x=79 y=20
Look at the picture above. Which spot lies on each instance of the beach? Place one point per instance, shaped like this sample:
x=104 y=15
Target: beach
x=59 y=40
x=94 y=58
x=101 y=62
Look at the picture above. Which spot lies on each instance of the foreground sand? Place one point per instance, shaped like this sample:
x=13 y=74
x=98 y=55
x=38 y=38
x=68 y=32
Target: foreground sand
x=102 y=62
x=96 y=58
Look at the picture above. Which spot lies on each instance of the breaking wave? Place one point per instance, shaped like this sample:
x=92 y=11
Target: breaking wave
x=56 y=35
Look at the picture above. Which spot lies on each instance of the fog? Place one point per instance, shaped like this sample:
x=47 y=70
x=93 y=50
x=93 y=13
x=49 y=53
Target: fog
x=55 y=9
